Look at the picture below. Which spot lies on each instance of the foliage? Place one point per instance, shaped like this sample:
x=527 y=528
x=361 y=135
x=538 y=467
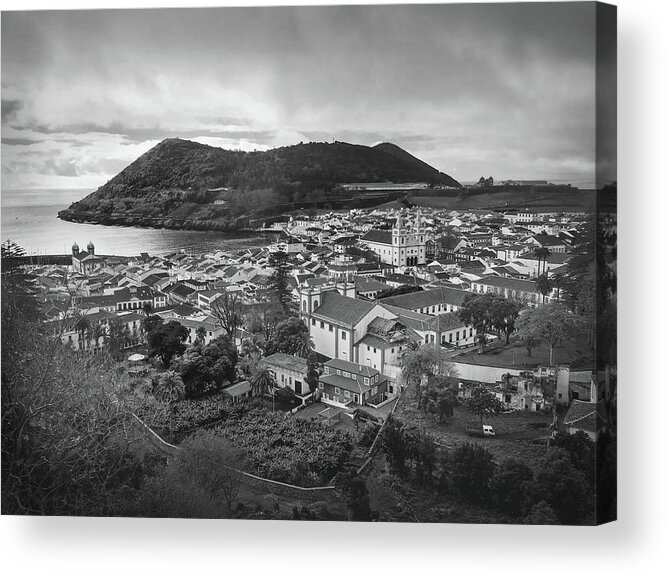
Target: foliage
x=261 y=381
x=312 y=375
x=65 y=446
x=169 y=387
x=581 y=449
x=286 y=448
x=511 y=486
x=279 y=286
x=202 y=481
x=541 y=514
x=285 y=394
x=563 y=487
x=483 y=402
x=486 y=312
x=292 y=337
x=167 y=340
x=357 y=498
x=440 y=397
x=205 y=368
x=18 y=288
x=117 y=336
x=471 y=469
x=400 y=290
x=549 y=322
x=227 y=311
x=545 y=285
x=424 y=361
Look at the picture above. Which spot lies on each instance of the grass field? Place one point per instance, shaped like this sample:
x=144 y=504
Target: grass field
x=564 y=200
x=576 y=353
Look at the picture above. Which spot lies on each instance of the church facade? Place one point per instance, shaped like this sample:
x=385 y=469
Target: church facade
x=403 y=246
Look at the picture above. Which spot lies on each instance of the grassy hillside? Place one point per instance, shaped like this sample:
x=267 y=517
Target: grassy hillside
x=179 y=182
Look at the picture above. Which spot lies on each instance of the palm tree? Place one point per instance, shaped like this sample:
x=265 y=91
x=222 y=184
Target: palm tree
x=304 y=347
x=170 y=389
x=98 y=332
x=545 y=285
x=261 y=380
x=542 y=254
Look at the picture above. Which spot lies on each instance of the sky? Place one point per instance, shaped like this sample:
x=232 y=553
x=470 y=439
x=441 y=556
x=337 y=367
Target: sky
x=504 y=90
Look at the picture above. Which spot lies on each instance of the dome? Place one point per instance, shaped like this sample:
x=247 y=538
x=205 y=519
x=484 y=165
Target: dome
x=91 y=246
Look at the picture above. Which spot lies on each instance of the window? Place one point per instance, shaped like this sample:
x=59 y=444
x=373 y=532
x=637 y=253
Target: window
x=367 y=347
x=353 y=376
x=457 y=335
x=321 y=385
x=392 y=350
x=337 y=391
x=356 y=397
x=326 y=370
x=321 y=324
x=366 y=381
x=347 y=394
x=345 y=374
x=337 y=371
x=344 y=335
x=314 y=322
x=330 y=327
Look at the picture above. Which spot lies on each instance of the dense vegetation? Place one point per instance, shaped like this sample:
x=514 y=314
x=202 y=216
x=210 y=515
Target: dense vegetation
x=179 y=180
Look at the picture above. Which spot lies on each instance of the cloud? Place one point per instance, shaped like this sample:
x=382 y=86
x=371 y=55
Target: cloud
x=472 y=89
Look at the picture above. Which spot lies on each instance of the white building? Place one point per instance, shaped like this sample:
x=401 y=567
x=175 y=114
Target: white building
x=403 y=246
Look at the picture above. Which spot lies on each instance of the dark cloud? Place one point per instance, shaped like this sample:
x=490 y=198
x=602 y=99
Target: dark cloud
x=470 y=88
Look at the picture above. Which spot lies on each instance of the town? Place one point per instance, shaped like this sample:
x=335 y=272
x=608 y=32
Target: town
x=377 y=328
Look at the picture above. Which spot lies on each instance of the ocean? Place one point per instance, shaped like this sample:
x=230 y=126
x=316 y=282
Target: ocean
x=29 y=219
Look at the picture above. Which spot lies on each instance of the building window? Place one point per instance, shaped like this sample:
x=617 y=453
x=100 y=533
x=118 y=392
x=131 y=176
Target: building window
x=366 y=381
x=321 y=385
x=356 y=398
x=367 y=347
x=326 y=370
x=457 y=335
x=353 y=376
x=347 y=394
x=344 y=335
x=337 y=391
x=314 y=322
x=321 y=324
x=337 y=371
x=330 y=327
x=345 y=374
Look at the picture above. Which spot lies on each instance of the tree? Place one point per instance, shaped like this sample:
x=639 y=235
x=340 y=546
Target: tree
x=581 y=450
x=18 y=287
x=118 y=336
x=400 y=290
x=147 y=308
x=150 y=323
x=542 y=254
x=279 y=261
x=205 y=368
x=357 y=498
x=285 y=394
x=485 y=312
x=292 y=337
x=395 y=445
x=483 y=402
x=227 y=311
x=312 y=375
x=169 y=389
x=545 y=285
x=423 y=361
x=541 y=514
x=83 y=327
x=471 y=469
x=549 y=322
x=563 y=487
x=261 y=381
x=503 y=315
x=439 y=397
x=167 y=340
x=202 y=481
x=200 y=334
x=511 y=486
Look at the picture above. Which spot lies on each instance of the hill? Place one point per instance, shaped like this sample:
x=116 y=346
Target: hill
x=179 y=183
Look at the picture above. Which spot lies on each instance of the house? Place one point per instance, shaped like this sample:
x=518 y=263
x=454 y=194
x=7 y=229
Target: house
x=590 y=417
x=344 y=383
x=336 y=322
x=510 y=288
x=520 y=393
x=430 y=301
x=553 y=243
x=238 y=391
x=288 y=371
x=368 y=288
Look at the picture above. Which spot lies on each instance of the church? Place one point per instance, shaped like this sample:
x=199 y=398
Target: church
x=403 y=246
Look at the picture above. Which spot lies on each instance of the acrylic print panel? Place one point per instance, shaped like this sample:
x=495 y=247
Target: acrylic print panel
x=350 y=263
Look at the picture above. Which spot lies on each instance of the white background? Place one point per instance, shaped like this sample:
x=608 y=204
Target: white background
x=634 y=544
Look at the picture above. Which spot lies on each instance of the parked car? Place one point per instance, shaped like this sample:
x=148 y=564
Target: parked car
x=481 y=431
